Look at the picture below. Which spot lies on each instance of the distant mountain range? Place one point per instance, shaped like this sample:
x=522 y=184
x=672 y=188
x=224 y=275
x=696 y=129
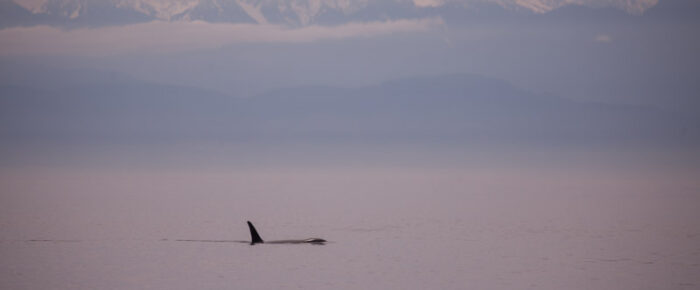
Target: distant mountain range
x=94 y=13
x=451 y=109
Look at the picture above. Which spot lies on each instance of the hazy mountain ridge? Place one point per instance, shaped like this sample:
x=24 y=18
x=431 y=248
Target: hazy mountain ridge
x=296 y=13
x=454 y=109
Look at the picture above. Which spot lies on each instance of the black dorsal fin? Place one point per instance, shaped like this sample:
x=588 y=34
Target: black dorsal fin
x=254 y=237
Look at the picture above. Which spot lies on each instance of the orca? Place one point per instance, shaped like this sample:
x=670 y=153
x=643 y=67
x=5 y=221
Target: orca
x=256 y=239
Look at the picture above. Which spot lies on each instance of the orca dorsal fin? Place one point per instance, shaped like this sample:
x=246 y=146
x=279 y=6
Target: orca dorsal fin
x=254 y=237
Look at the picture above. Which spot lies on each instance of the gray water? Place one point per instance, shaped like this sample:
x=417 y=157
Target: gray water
x=569 y=225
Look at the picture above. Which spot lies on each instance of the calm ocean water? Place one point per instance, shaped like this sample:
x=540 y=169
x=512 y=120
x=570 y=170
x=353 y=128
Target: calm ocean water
x=389 y=228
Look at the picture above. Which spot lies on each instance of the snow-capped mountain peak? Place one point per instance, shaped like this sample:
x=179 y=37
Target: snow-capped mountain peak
x=161 y=9
x=288 y=12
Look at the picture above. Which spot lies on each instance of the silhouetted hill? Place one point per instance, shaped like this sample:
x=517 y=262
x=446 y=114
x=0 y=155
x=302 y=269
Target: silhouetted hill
x=460 y=108
x=452 y=109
